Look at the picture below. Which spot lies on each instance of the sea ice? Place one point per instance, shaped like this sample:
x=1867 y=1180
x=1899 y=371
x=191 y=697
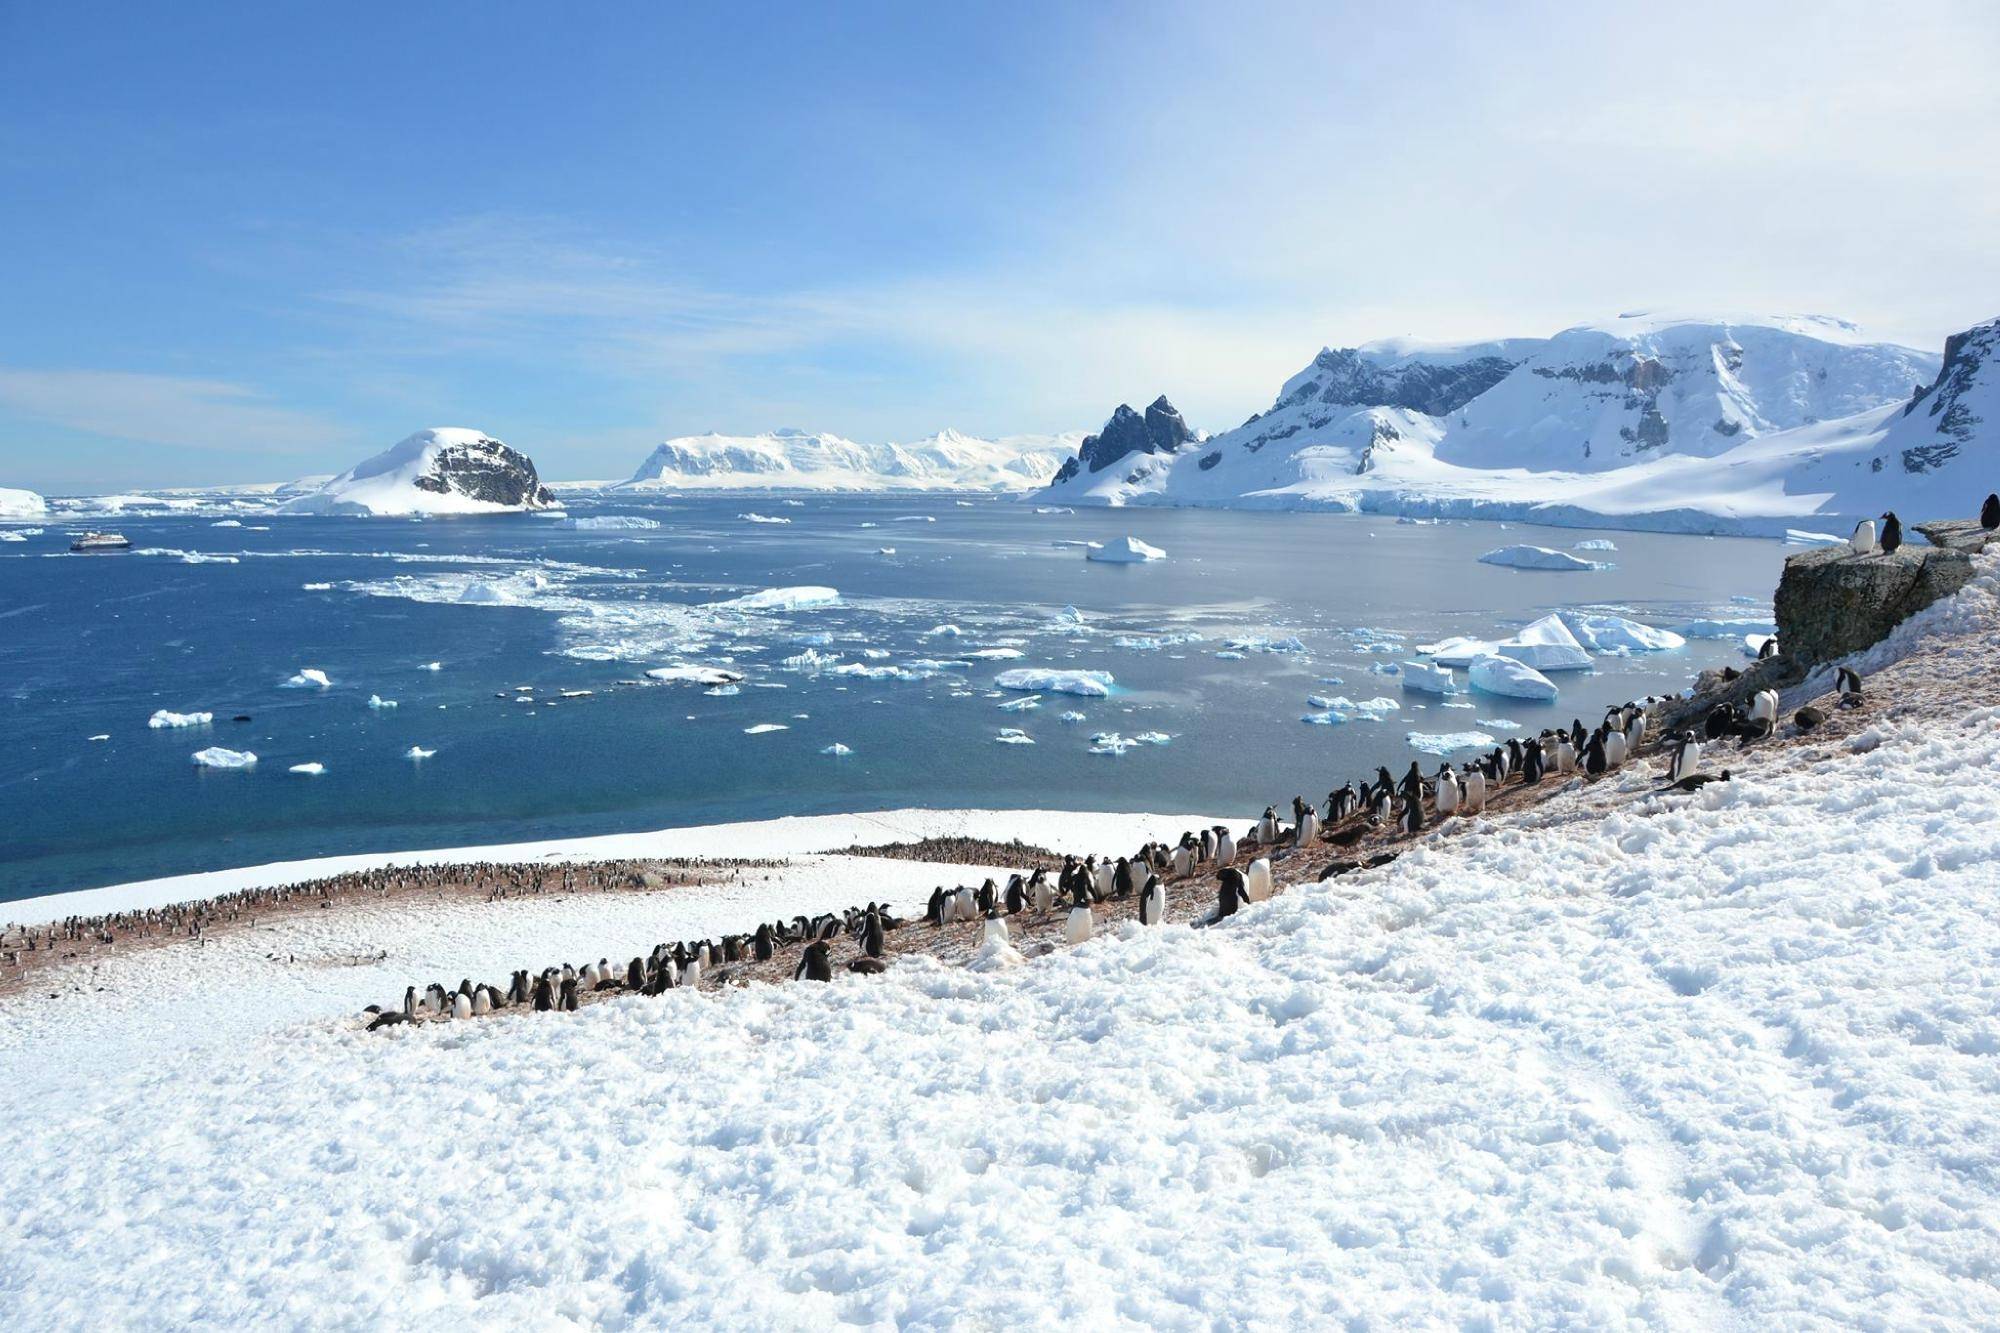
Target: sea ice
x=431 y=666
x=613 y=523
x=1729 y=629
x=1088 y=684
x=1446 y=743
x=311 y=770
x=316 y=587
x=764 y=728
x=1289 y=644
x=762 y=518
x=377 y=702
x=1428 y=679
x=1509 y=677
x=1498 y=723
x=687 y=673
x=802 y=598
x=837 y=749
x=217 y=757
x=309 y=678
x=1546 y=645
x=1014 y=736
x=1537 y=557
x=1595 y=544
x=163 y=719
x=1072 y=716
x=1022 y=705
x=1606 y=634
x=418 y=752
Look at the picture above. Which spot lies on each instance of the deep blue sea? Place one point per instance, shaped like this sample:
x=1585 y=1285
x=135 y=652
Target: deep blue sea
x=933 y=594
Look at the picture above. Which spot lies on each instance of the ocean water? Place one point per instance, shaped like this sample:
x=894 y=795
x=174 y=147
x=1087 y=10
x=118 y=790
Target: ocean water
x=1213 y=655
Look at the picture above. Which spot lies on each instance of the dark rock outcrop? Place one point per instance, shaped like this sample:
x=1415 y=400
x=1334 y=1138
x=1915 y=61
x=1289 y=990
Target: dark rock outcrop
x=1342 y=377
x=1160 y=431
x=1945 y=398
x=1832 y=602
x=488 y=471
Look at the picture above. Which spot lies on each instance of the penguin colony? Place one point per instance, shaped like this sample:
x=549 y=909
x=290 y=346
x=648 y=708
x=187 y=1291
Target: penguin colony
x=24 y=947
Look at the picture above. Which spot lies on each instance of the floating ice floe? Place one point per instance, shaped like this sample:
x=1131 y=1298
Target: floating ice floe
x=994 y=654
x=944 y=631
x=885 y=550
x=1595 y=544
x=1545 y=645
x=1332 y=717
x=688 y=673
x=1014 y=736
x=378 y=703
x=1506 y=676
x=1125 y=551
x=165 y=718
x=431 y=666
x=1373 y=709
x=418 y=752
x=1087 y=684
x=227 y=523
x=801 y=598
x=723 y=691
x=101 y=736
x=765 y=728
x=613 y=523
x=1147 y=643
x=309 y=678
x=837 y=750
x=1498 y=723
x=1289 y=644
x=1729 y=629
x=763 y=518
x=1427 y=679
x=1053 y=509
x=1022 y=705
x=311 y=770
x=8 y=535
x=217 y=757
x=316 y=587
x=1457 y=651
x=1110 y=742
x=1446 y=743
x=1537 y=557
x=1611 y=634
x=913 y=518
x=1071 y=716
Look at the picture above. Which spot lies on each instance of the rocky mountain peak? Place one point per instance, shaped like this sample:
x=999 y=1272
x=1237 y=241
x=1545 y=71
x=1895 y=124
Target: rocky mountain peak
x=1160 y=431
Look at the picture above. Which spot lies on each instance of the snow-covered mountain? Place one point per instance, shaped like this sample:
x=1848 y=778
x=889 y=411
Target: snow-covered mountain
x=444 y=470
x=1753 y=424
x=797 y=460
x=21 y=504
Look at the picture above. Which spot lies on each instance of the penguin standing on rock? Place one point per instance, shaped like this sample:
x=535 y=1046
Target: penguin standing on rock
x=1848 y=682
x=1863 y=541
x=1153 y=903
x=1892 y=533
x=1989 y=513
x=1687 y=756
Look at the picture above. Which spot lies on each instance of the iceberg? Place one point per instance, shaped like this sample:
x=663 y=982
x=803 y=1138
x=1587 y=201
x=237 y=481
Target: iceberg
x=1457 y=651
x=1728 y=629
x=163 y=719
x=1022 y=705
x=1506 y=676
x=418 y=752
x=837 y=750
x=308 y=678
x=1330 y=718
x=765 y=728
x=800 y=598
x=1014 y=736
x=217 y=757
x=1610 y=634
x=1595 y=544
x=1546 y=645
x=378 y=703
x=613 y=523
x=1088 y=684
x=1124 y=551
x=1537 y=557
x=763 y=518
x=311 y=770
x=1427 y=679
x=689 y=674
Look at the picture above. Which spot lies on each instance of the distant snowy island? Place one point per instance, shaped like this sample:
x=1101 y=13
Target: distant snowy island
x=799 y=460
x=443 y=470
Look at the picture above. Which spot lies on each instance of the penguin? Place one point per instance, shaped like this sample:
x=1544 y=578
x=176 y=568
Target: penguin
x=1532 y=765
x=1892 y=533
x=1863 y=541
x=1267 y=827
x=1183 y=864
x=461 y=1006
x=967 y=907
x=1614 y=748
x=1017 y=896
x=409 y=1001
x=1257 y=880
x=813 y=965
x=1687 y=756
x=1153 y=903
x=691 y=974
x=635 y=974
x=1225 y=847
x=387 y=1018
x=763 y=944
x=1447 y=791
x=1565 y=754
x=1764 y=707
x=1767 y=649
x=544 y=994
x=1121 y=879
x=1307 y=830
x=993 y=931
x=1515 y=758
x=482 y=1002
x=1045 y=894
x=1848 y=682
x=1474 y=801
x=1411 y=820
x=1635 y=731
x=1231 y=893
x=1807 y=718
x=1594 y=759
x=1696 y=781
x=988 y=898
x=1105 y=881
x=1721 y=721
x=872 y=940
x=569 y=995
x=1077 y=929
x=1989 y=513
x=934 y=913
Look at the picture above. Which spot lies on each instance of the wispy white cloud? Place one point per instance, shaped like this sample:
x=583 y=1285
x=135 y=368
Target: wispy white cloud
x=171 y=410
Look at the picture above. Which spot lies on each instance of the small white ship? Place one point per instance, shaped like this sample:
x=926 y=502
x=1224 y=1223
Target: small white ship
x=101 y=541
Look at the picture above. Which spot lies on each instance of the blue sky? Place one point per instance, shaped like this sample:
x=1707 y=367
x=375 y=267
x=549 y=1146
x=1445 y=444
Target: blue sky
x=247 y=242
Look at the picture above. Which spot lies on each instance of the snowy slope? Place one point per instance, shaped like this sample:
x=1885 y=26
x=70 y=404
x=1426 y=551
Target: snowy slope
x=1644 y=421
x=444 y=470
x=21 y=504
x=796 y=460
x=1722 y=1061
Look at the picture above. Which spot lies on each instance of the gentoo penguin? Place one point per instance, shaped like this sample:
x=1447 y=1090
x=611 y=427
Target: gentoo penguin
x=1077 y=929
x=1764 y=707
x=993 y=931
x=1614 y=747
x=1989 y=513
x=1017 y=896
x=1532 y=764
x=871 y=935
x=1267 y=827
x=461 y=1006
x=482 y=1001
x=1565 y=754
x=1863 y=541
x=1892 y=533
x=1635 y=731
x=1594 y=760
x=569 y=995
x=1808 y=717
x=1153 y=903
x=1447 y=791
x=988 y=897
x=409 y=1001
x=1767 y=649
x=1848 y=681
x=967 y=906
x=1183 y=861
x=1225 y=847
x=1475 y=789
x=1121 y=879
x=1045 y=893
x=1257 y=880
x=1307 y=830
x=1231 y=893
x=1687 y=756
x=763 y=944
x=813 y=965
x=1104 y=880
x=1696 y=781
x=635 y=974
x=544 y=994
x=691 y=974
